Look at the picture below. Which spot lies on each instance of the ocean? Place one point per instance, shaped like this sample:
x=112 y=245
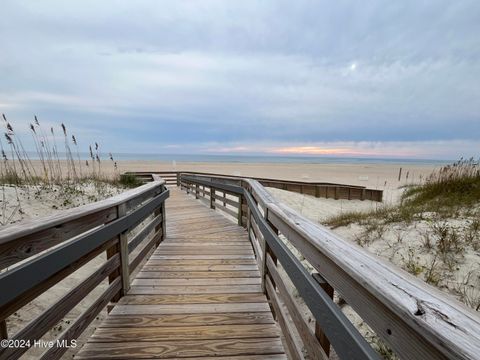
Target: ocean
x=209 y=158
x=274 y=159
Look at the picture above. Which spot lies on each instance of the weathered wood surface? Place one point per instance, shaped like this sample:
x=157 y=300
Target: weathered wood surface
x=28 y=238
x=198 y=296
x=415 y=319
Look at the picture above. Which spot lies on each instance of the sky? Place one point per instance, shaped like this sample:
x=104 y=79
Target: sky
x=326 y=78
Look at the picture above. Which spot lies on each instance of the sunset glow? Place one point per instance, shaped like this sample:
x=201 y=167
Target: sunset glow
x=313 y=150
x=316 y=150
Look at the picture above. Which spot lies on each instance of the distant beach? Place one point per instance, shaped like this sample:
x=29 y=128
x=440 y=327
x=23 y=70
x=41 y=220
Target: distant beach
x=245 y=159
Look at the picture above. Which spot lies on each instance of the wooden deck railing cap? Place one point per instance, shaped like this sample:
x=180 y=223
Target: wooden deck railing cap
x=11 y=232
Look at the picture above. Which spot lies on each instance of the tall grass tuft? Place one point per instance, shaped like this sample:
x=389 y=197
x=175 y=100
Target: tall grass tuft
x=445 y=192
x=453 y=185
x=16 y=167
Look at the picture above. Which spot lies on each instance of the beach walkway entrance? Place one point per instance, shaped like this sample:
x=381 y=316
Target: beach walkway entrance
x=198 y=296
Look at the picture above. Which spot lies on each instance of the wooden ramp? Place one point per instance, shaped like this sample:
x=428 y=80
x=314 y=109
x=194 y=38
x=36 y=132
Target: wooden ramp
x=198 y=296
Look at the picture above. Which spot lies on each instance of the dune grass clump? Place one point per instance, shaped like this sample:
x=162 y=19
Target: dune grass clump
x=54 y=166
x=439 y=220
x=452 y=186
x=17 y=168
x=129 y=180
x=446 y=192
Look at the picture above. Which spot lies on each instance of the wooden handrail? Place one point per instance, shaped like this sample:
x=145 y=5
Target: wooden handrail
x=415 y=319
x=317 y=189
x=89 y=234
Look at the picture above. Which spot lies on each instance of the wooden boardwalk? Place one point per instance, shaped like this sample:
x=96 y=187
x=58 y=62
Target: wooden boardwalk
x=198 y=296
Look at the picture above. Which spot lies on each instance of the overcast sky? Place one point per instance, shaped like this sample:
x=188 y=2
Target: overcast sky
x=351 y=78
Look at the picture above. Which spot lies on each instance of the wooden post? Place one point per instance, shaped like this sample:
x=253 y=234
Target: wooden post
x=196 y=191
x=178 y=179
x=240 y=213
x=164 y=222
x=224 y=196
x=249 y=223
x=123 y=242
x=160 y=227
x=320 y=335
x=212 y=198
x=267 y=250
x=3 y=329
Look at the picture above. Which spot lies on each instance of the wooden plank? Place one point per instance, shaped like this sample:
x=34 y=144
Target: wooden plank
x=240 y=357
x=204 y=332
x=204 y=251
x=222 y=298
x=181 y=349
x=171 y=244
x=176 y=320
x=183 y=243
x=26 y=246
x=191 y=289
x=187 y=282
x=35 y=226
x=176 y=268
x=242 y=249
x=211 y=262
x=197 y=274
x=201 y=257
x=189 y=308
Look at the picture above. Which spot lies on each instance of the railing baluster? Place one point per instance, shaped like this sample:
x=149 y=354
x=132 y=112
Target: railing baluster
x=212 y=198
x=164 y=222
x=322 y=339
x=111 y=251
x=240 y=213
x=267 y=250
x=3 y=330
x=123 y=245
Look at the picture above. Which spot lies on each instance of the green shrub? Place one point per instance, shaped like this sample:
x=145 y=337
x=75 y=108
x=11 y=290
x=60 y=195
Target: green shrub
x=129 y=180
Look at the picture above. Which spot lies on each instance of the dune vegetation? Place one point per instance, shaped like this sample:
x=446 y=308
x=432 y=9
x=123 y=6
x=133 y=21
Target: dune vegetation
x=433 y=232
x=54 y=175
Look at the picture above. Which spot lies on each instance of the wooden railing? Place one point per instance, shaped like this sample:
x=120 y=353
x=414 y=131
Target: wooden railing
x=170 y=177
x=413 y=318
x=36 y=255
x=317 y=189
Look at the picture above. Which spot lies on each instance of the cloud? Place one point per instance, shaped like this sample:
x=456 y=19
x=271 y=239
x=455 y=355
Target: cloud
x=247 y=73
